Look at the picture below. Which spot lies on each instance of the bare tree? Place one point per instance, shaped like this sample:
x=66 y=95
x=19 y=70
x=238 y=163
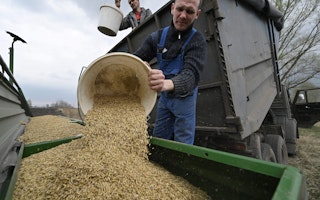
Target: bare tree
x=61 y=104
x=299 y=51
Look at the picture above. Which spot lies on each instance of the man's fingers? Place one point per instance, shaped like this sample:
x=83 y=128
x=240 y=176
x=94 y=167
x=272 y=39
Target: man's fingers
x=156 y=80
x=156 y=74
x=156 y=84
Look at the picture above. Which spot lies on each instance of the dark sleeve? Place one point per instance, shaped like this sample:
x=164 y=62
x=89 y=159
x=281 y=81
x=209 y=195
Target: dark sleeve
x=125 y=23
x=194 y=61
x=148 y=50
x=149 y=13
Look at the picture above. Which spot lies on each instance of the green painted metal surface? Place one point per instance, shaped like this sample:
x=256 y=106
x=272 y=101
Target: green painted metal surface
x=14 y=115
x=33 y=148
x=24 y=151
x=7 y=189
x=229 y=176
x=222 y=175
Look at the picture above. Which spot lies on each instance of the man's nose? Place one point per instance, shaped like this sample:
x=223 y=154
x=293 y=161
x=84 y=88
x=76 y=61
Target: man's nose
x=183 y=14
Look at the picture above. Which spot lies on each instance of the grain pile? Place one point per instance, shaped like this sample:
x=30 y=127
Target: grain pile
x=109 y=162
x=49 y=127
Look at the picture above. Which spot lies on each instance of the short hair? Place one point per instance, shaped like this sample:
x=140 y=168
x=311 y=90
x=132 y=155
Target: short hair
x=200 y=3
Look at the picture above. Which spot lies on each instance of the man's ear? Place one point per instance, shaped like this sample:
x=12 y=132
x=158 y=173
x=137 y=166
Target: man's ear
x=198 y=13
x=172 y=8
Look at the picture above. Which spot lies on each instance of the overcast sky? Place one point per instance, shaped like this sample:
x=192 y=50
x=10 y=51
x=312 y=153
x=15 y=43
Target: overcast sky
x=62 y=37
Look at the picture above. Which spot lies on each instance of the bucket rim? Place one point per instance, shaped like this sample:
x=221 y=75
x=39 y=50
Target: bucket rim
x=148 y=102
x=114 y=7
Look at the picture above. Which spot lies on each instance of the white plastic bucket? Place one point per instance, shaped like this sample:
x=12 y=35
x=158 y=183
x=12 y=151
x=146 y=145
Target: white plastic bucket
x=115 y=74
x=109 y=20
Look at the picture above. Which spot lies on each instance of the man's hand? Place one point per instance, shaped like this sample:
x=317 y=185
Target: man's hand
x=158 y=82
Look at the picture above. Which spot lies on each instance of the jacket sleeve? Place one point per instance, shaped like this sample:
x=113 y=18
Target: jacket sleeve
x=194 y=61
x=149 y=13
x=148 y=50
x=125 y=23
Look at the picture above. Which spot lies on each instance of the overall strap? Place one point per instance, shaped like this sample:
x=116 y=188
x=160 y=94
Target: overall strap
x=163 y=37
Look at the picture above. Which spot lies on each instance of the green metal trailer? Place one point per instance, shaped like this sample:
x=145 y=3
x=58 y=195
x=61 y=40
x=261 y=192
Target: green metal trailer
x=14 y=115
x=220 y=174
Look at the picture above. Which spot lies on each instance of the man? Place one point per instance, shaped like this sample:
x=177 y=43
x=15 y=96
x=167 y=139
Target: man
x=135 y=17
x=117 y=2
x=181 y=53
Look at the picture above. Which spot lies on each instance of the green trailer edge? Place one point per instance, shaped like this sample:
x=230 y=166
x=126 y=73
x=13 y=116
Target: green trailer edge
x=26 y=150
x=33 y=148
x=8 y=190
x=291 y=185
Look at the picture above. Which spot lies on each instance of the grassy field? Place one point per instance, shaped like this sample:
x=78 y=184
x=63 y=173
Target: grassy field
x=308 y=159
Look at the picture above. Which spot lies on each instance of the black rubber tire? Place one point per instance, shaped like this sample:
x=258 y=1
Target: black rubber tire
x=279 y=148
x=292 y=133
x=267 y=153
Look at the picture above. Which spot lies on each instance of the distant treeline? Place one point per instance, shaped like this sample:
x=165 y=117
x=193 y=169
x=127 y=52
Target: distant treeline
x=57 y=104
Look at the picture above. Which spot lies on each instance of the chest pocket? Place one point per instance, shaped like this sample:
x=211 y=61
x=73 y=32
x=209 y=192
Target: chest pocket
x=171 y=67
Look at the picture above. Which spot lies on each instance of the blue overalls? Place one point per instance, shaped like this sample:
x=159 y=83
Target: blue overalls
x=175 y=115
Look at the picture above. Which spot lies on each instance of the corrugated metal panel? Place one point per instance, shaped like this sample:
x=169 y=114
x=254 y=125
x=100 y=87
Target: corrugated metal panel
x=14 y=114
x=247 y=46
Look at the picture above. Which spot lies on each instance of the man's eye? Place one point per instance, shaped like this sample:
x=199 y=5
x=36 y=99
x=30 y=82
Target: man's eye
x=179 y=9
x=188 y=11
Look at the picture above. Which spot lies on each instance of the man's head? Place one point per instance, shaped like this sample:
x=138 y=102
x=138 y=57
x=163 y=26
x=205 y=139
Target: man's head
x=117 y=2
x=134 y=4
x=184 y=13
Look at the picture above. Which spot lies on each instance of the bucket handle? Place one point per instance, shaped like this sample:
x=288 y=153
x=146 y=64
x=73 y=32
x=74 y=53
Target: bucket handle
x=82 y=70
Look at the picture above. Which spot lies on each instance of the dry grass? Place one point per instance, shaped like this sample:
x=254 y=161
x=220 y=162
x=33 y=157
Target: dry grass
x=308 y=159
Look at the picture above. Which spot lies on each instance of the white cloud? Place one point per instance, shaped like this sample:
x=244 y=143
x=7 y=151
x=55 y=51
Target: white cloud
x=61 y=37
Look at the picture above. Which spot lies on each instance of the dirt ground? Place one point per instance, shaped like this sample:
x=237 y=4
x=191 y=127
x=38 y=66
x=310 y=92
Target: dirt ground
x=307 y=159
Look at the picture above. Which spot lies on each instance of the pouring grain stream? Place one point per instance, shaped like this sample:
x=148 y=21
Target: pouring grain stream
x=109 y=162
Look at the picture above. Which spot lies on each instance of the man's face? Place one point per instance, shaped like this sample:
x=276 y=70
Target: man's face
x=134 y=4
x=184 y=13
x=118 y=2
